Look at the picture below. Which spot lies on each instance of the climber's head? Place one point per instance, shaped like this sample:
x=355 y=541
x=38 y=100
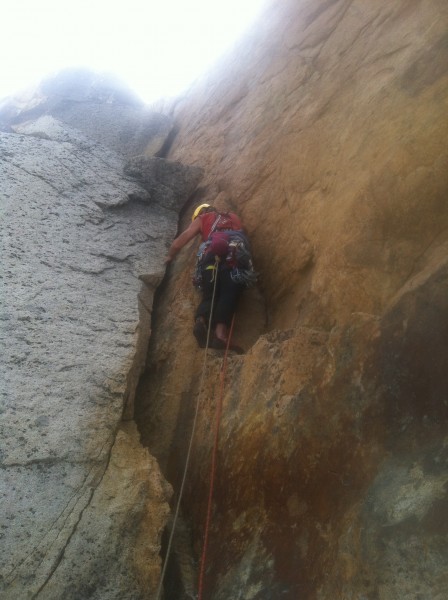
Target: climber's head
x=202 y=208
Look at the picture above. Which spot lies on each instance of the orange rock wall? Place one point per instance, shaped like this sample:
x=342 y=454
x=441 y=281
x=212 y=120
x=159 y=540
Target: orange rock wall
x=325 y=129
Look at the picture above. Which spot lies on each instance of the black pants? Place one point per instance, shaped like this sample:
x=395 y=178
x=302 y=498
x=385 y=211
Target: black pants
x=227 y=294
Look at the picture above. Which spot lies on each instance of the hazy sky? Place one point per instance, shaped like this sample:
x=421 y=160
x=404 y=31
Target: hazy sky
x=157 y=46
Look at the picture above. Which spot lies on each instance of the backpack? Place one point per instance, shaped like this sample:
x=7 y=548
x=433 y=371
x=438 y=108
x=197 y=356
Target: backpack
x=232 y=248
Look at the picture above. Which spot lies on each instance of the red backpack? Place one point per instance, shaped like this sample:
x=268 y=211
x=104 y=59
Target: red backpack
x=228 y=242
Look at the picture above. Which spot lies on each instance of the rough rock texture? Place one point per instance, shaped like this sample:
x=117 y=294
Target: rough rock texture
x=326 y=130
x=83 y=505
x=169 y=182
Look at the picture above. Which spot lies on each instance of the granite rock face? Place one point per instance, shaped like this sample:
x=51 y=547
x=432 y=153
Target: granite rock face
x=83 y=249
x=326 y=131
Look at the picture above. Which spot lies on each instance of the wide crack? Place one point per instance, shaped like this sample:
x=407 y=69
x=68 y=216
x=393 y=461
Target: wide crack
x=181 y=571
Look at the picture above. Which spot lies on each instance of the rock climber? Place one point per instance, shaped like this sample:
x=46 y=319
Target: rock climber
x=224 y=254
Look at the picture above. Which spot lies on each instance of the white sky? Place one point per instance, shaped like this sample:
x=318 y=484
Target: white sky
x=158 y=47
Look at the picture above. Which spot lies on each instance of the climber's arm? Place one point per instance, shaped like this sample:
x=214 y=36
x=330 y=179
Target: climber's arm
x=183 y=239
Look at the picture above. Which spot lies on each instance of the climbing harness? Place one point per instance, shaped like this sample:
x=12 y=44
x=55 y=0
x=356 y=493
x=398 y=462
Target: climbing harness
x=187 y=460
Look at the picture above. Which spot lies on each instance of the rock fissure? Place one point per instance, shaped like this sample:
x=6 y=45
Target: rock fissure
x=56 y=525
x=61 y=552
x=47 y=181
x=96 y=481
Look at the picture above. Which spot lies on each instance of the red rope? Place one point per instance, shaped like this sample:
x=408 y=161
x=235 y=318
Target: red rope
x=213 y=465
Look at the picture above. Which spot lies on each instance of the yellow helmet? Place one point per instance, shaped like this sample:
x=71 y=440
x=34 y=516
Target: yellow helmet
x=199 y=210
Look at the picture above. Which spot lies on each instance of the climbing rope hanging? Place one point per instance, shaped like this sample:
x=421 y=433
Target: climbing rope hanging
x=218 y=414
x=190 y=445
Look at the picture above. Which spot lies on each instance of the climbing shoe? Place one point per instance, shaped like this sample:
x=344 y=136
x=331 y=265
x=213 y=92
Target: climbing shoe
x=200 y=332
x=218 y=344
